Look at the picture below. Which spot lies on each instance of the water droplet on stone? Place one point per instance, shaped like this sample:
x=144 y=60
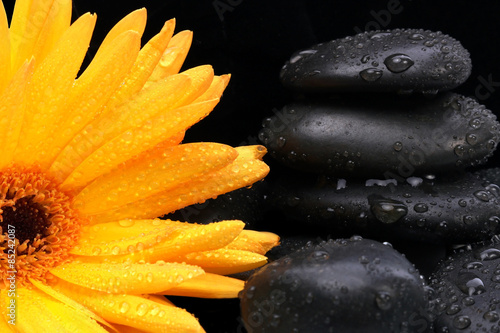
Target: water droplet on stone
x=482 y=195
x=471 y=139
x=319 y=256
x=420 y=208
x=398 y=63
x=453 y=309
x=371 y=74
x=461 y=322
x=416 y=36
x=493 y=223
x=462 y=203
x=468 y=219
x=383 y=300
x=397 y=146
x=280 y=142
x=365 y=58
x=489 y=254
x=470 y=284
x=387 y=210
x=491 y=316
x=459 y=150
x=475 y=123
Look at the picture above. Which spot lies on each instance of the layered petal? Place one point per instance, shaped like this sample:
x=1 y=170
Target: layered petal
x=4 y=49
x=224 y=261
x=36 y=311
x=130 y=310
x=155 y=174
x=47 y=106
x=173 y=57
x=208 y=286
x=245 y=170
x=160 y=245
x=125 y=278
x=36 y=27
x=12 y=107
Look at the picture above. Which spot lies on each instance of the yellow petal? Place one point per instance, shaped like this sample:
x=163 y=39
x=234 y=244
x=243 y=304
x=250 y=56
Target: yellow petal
x=126 y=236
x=158 y=173
x=147 y=60
x=244 y=171
x=131 y=310
x=161 y=245
x=12 y=107
x=36 y=27
x=7 y=312
x=135 y=21
x=38 y=312
x=97 y=83
x=115 y=122
x=208 y=286
x=125 y=278
x=216 y=88
x=224 y=261
x=137 y=140
x=56 y=74
x=173 y=57
x=68 y=301
x=4 y=49
x=254 y=241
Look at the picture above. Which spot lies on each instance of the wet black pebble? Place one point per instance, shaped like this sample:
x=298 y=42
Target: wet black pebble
x=400 y=60
x=382 y=136
x=467 y=291
x=347 y=285
x=421 y=209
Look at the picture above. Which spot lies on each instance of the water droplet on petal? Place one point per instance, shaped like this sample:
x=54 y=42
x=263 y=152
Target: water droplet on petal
x=124 y=307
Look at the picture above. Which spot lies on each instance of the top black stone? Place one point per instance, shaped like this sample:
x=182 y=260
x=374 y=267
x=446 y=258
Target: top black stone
x=400 y=60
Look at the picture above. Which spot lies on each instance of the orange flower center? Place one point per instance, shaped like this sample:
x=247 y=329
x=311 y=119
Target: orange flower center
x=37 y=226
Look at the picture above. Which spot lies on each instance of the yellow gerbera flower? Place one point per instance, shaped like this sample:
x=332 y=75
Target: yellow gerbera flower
x=87 y=164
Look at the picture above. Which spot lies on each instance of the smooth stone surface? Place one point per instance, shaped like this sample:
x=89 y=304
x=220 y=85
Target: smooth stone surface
x=400 y=60
x=386 y=137
x=428 y=210
x=347 y=285
x=467 y=287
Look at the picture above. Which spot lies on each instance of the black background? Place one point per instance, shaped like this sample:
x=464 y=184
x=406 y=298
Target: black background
x=251 y=39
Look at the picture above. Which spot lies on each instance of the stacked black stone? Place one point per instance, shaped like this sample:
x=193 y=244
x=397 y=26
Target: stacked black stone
x=378 y=146
x=393 y=145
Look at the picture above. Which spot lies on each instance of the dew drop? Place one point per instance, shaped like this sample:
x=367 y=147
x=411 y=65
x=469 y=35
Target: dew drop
x=461 y=322
x=471 y=139
x=482 y=195
x=493 y=223
x=489 y=254
x=459 y=150
x=462 y=203
x=491 y=316
x=398 y=63
x=421 y=208
x=397 y=146
x=319 y=256
x=383 y=300
x=387 y=210
x=142 y=309
x=470 y=284
x=468 y=219
x=453 y=309
x=124 y=307
x=365 y=58
x=475 y=123
x=280 y=142
x=371 y=74
x=416 y=37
